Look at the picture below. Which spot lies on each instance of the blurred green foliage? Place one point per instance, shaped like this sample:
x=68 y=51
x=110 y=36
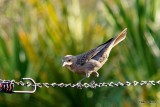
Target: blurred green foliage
x=36 y=34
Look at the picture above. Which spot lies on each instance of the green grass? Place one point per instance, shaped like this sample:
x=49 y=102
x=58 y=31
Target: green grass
x=35 y=35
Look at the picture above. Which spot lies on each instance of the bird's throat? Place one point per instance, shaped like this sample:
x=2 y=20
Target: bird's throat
x=72 y=67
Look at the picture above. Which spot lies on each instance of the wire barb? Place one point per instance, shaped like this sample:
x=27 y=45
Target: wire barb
x=7 y=86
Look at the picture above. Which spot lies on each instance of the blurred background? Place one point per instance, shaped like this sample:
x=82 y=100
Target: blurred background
x=36 y=34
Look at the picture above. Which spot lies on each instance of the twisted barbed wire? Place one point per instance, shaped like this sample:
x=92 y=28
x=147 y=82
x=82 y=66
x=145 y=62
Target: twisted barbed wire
x=90 y=85
x=5 y=85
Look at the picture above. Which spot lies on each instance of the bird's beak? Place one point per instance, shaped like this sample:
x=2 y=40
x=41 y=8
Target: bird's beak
x=64 y=64
x=67 y=63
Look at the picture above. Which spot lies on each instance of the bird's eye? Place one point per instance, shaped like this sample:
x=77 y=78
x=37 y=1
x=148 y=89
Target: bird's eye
x=69 y=60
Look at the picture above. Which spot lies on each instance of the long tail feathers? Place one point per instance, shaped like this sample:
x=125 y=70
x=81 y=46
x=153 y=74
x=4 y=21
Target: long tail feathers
x=120 y=37
x=107 y=46
x=117 y=40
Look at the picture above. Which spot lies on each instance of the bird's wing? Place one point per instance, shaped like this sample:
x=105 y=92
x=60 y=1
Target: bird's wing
x=83 y=58
x=109 y=45
x=97 y=53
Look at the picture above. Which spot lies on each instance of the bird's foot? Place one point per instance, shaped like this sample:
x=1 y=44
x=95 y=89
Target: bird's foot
x=92 y=82
x=79 y=85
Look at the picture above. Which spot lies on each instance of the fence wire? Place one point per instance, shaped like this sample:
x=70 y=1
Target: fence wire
x=7 y=86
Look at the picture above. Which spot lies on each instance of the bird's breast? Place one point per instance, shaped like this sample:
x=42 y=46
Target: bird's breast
x=77 y=69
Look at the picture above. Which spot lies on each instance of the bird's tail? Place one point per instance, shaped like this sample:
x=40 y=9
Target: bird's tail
x=106 y=48
x=120 y=37
x=115 y=41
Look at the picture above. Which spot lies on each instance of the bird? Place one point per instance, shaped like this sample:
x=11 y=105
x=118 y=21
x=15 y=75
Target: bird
x=90 y=62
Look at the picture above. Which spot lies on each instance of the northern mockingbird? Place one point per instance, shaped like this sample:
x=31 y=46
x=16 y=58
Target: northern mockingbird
x=90 y=62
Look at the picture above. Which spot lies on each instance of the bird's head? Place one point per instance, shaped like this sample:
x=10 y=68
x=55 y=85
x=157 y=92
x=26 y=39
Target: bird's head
x=68 y=60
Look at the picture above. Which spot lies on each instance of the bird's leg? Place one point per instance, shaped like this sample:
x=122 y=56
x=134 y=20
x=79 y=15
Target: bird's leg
x=87 y=76
x=81 y=80
x=96 y=74
x=80 y=84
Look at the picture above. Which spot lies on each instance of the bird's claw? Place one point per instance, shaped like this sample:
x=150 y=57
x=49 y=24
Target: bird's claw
x=79 y=85
x=92 y=82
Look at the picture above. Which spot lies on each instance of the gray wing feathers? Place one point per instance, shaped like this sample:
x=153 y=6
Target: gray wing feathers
x=109 y=45
x=98 y=52
x=83 y=58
